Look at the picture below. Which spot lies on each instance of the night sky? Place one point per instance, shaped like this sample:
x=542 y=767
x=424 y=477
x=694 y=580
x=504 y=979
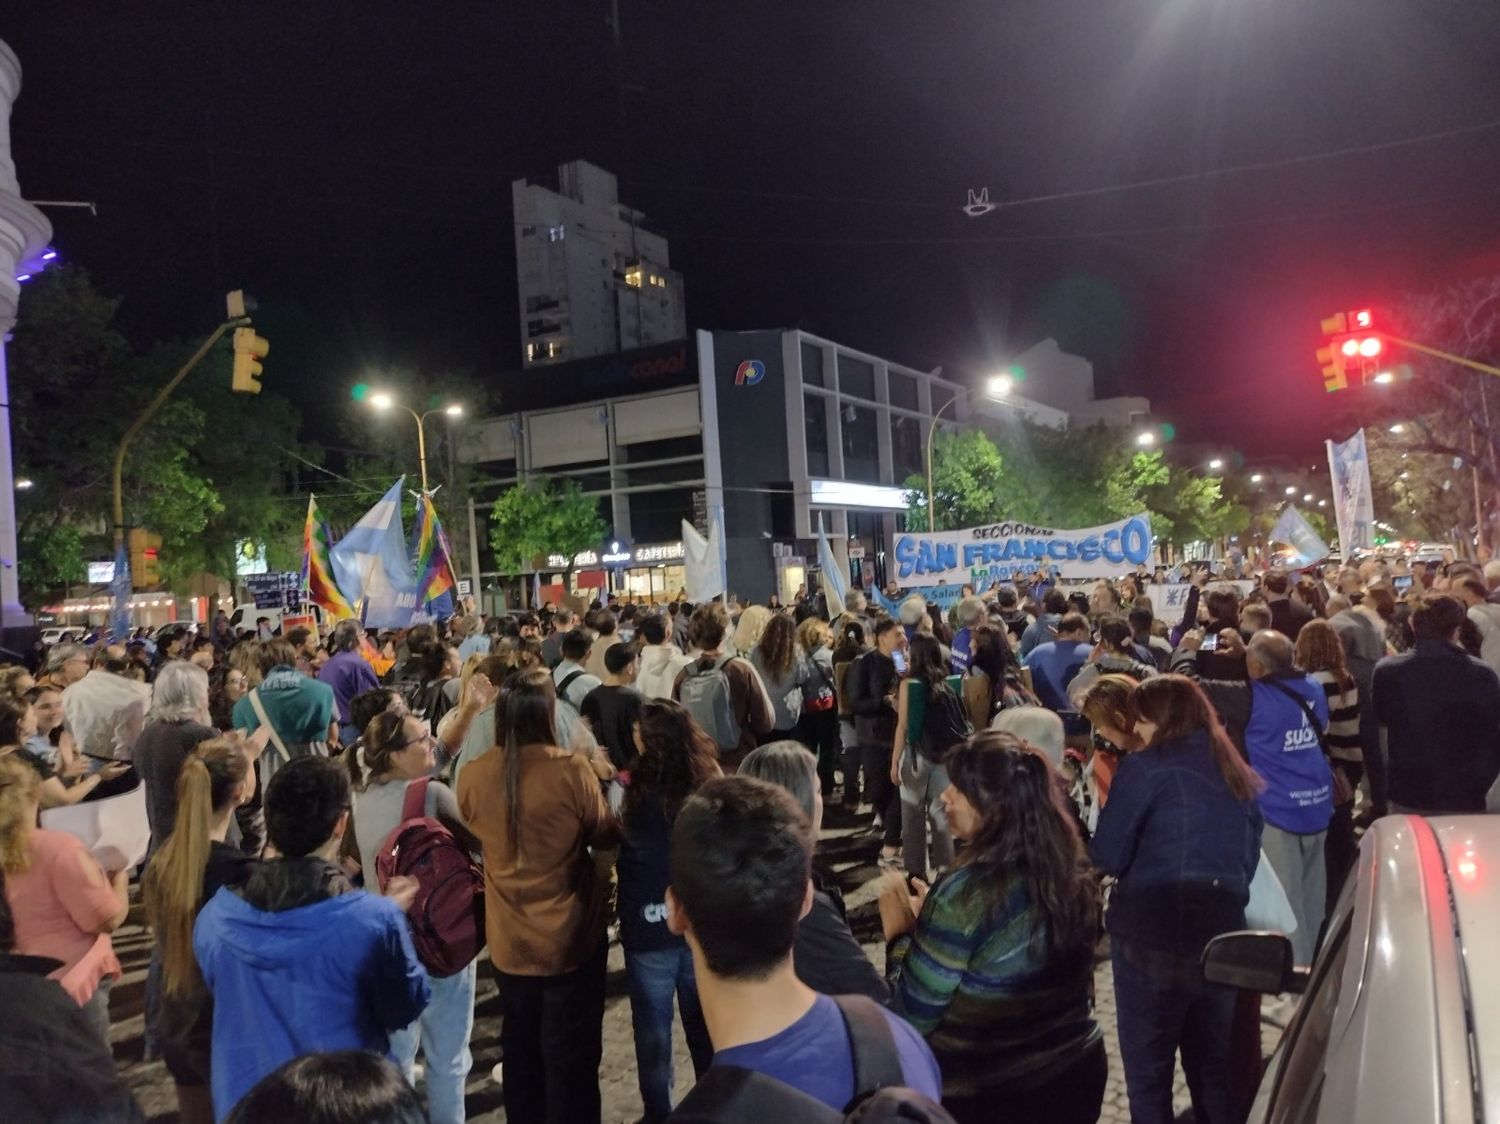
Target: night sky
x=350 y=165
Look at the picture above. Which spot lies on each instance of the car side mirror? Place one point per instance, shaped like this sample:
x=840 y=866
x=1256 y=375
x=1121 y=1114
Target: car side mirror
x=1253 y=961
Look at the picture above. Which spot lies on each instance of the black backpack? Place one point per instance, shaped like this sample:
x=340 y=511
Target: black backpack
x=731 y=1095
x=945 y=723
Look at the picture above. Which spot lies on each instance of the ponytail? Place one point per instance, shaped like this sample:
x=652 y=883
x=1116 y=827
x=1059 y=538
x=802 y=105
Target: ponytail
x=172 y=887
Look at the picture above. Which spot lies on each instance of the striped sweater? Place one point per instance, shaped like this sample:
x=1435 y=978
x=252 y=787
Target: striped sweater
x=1343 y=718
x=996 y=1015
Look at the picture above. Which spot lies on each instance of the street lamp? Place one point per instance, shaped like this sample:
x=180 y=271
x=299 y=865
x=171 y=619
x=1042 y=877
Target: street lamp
x=1385 y=378
x=383 y=401
x=1307 y=497
x=998 y=386
x=1215 y=464
x=1256 y=478
x=1291 y=489
x=1398 y=428
x=1145 y=439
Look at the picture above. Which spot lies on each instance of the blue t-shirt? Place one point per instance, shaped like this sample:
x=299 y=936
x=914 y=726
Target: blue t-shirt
x=1283 y=748
x=814 y=1055
x=961 y=651
x=1053 y=666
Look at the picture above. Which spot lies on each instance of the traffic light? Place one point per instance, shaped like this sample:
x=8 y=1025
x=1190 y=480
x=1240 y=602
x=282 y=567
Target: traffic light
x=1354 y=347
x=249 y=350
x=145 y=559
x=1332 y=363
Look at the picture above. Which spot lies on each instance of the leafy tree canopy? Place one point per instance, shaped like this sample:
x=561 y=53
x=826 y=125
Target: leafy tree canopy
x=532 y=520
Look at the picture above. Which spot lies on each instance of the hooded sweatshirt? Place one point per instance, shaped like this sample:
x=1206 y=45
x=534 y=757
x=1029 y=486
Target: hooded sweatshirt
x=298 y=962
x=660 y=664
x=1486 y=618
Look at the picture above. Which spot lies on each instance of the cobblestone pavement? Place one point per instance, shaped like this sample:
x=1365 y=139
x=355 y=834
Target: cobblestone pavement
x=851 y=855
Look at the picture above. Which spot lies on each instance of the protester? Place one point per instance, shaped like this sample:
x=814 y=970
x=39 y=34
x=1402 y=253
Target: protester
x=105 y=711
x=347 y=674
x=340 y=1087
x=295 y=958
x=783 y=672
x=571 y=679
x=18 y=740
x=190 y=866
x=741 y=881
x=661 y=659
x=298 y=709
x=675 y=758
x=872 y=684
x=562 y=624
x=922 y=738
x=820 y=718
x=396 y=751
x=179 y=723
x=64 y=906
x=1181 y=836
x=1055 y=664
x=1147 y=643
x=995 y=680
x=1438 y=711
x=747 y=633
x=827 y=957
x=1115 y=654
x=1014 y=619
x=1320 y=654
x=1107 y=706
x=995 y=964
x=604 y=627
x=1486 y=616
x=851 y=645
x=536 y=809
x=611 y=708
x=66 y=664
x=722 y=692
x=968 y=615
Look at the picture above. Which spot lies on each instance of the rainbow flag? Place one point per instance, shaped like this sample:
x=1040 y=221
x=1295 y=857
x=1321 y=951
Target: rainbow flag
x=317 y=575
x=433 y=559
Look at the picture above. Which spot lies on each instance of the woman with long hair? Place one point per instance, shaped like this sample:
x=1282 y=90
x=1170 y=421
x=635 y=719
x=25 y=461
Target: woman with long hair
x=994 y=681
x=916 y=761
x=189 y=867
x=747 y=632
x=64 y=905
x=228 y=685
x=396 y=751
x=820 y=715
x=784 y=671
x=1310 y=594
x=674 y=758
x=1320 y=653
x=18 y=734
x=994 y=964
x=537 y=809
x=1106 y=704
x=1181 y=837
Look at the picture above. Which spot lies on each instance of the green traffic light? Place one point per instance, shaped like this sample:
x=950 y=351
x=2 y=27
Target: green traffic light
x=1168 y=431
x=360 y=391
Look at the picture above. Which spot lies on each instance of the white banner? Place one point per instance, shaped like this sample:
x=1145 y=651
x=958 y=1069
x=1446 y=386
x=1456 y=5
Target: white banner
x=1353 y=506
x=1007 y=551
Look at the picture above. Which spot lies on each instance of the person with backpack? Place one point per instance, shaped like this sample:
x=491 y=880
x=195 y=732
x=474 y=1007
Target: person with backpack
x=783 y=670
x=392 y=790
x=995 y=681
x=297 y=960
x=741 y=880
x=571 y=679
x=675 y=758
x=930 y=720
x=872 y=696
x=1115 y=654
x=820 y=716
x=994 y=965
x=723 y=693
x=538 y=809
x=299 y=710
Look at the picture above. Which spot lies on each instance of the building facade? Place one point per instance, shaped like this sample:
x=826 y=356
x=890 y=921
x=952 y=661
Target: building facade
x=592 y=279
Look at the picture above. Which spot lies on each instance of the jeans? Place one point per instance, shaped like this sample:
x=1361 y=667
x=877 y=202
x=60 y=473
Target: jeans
x=443 y=1032
x=922 y=782
x=880 y=792
x=96 y=1010
x=551 y=1039
x=1300 y=868
x=1159 y=1011
x=654 y=977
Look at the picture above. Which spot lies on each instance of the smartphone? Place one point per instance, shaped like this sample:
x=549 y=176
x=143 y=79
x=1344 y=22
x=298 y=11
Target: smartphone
x=1210 y=643
x=1401 y=583
x=900 y=657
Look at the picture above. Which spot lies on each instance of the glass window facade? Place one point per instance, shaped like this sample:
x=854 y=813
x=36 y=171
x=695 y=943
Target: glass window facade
x=861 y=442
x=903 y=390
x=856 y=378
x=815 y=428
x=907 y=435
x=812 y=365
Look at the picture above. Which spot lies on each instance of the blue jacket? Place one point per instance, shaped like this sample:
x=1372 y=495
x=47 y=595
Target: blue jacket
x=338 y=973
x=1182 y=847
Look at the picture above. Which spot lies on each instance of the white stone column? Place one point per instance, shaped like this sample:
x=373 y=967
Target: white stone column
x=24 y=233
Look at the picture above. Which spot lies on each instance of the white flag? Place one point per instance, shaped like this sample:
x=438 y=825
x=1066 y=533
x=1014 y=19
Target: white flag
x=702 y=563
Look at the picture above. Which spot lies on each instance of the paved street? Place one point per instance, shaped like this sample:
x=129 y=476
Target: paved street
x=852 y=856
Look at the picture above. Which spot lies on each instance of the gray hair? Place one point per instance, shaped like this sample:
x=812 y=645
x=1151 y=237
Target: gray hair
x=345 y=636
x=1270 y=653
x=1035 y=726
x=788 y=765
x=970 y=612
x=854 y=600
x=61 y=654
x=912 y=610
x=180 y=692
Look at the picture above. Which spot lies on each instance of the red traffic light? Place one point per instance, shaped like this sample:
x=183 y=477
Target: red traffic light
x=1370 y=346
x=1350 y=347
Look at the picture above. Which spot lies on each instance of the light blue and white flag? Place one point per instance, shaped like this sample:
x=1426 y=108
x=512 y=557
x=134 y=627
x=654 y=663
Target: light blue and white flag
x=1296 y=532
x=119 y=588
x=372 y=566
x=703 y=576
x=1353 y=506
x=835 y=577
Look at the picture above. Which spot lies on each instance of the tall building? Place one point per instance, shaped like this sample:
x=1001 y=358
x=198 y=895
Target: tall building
x=592 y=279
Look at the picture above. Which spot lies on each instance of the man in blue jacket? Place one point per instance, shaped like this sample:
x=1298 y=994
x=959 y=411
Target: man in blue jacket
x=296 y=959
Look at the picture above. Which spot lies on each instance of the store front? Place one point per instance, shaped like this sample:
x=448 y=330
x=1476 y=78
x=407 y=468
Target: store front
x=638 y=572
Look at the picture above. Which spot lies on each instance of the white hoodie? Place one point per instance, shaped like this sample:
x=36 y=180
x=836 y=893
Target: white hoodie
x=1486 y=618
x=660 y=664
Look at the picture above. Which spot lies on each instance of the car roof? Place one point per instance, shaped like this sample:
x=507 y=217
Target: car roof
x=1471 y=852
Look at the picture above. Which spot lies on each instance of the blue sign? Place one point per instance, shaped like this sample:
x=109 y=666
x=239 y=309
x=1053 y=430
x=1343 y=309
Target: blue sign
x=981 y=556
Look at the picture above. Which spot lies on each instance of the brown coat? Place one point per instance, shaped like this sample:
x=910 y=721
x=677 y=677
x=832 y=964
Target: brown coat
x=545 y=908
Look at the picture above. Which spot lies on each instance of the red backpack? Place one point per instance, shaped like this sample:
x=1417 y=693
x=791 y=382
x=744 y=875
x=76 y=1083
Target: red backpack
x=447 y=917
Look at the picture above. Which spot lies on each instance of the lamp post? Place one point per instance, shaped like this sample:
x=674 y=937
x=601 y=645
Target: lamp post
x=383 y=401
x=998 y=387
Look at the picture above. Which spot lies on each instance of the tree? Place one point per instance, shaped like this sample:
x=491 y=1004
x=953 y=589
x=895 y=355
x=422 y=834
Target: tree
x=533 y=520
x=969 y=482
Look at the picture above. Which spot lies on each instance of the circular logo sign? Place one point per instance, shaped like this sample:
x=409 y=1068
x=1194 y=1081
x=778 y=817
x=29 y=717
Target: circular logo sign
x=750 y=372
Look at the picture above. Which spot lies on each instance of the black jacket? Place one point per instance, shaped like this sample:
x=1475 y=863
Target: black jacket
x=827 y=957
x=52 y=1065
x=871 y=679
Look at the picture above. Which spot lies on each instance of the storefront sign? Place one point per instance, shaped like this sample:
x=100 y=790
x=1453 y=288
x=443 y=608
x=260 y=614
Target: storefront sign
x=276 y=590
x=660 y=552
x=619 y=554
x=1006 y=551
x=615 y=554
x=750 y=372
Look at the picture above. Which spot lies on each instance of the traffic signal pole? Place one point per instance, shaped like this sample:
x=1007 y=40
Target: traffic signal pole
x=148 y=413
x=1448 y=355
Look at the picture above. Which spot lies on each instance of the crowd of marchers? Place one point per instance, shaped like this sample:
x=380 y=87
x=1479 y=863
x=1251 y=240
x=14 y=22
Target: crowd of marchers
x=344 y=828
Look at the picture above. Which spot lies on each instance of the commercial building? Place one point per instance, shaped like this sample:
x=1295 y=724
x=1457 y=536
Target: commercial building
x=593 y=280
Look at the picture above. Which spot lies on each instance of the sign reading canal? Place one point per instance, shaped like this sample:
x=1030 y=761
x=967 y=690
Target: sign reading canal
x=1006 y=551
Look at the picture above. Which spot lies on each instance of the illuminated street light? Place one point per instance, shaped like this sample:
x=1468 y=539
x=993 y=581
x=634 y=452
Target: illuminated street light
x=1257 y=478
x=1385 y=378
x=454 y=411
x=22 y=483
x=1398 y=428
x=1291 y=489
x=1307 y=497
x=1322 y=503
x=1145 y=440
x=381 y=400
x=1000 y=386
x=1216 y=464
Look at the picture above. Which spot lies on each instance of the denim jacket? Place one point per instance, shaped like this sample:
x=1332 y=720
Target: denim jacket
x=1182 y=848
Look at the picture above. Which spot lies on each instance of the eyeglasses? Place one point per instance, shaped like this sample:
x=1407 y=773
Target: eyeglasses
x=425 y=739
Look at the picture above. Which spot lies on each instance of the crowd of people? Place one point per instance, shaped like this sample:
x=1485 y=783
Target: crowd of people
x=344 y=827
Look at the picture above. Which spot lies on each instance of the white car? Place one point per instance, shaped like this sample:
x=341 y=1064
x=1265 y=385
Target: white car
x=1399 y=1022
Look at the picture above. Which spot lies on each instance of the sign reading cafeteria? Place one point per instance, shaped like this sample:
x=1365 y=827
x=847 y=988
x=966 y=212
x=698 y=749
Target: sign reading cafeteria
x=1007 y=551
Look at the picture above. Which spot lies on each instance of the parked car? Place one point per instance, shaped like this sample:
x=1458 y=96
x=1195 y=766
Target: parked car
x=1399 y=1021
